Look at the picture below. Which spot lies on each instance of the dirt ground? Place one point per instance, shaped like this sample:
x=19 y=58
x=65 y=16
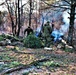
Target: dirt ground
x=25 y=56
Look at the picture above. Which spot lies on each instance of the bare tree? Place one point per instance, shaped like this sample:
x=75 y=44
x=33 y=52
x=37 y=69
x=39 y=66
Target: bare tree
x=11 y=14
x=15 y=10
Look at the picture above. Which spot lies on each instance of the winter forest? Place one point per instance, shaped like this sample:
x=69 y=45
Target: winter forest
x=37 y=37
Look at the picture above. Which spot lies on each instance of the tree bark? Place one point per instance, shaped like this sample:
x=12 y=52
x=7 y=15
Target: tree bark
x=19 y=23
x=30 y=13
x=71 y=27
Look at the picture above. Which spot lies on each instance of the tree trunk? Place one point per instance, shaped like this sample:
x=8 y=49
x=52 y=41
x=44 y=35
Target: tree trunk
x=30 y=13
x=19 y=24
x=15 y=30
x=71 y=27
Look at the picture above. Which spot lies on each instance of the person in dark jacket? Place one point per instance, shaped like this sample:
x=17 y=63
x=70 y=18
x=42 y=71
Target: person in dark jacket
x=29 y=30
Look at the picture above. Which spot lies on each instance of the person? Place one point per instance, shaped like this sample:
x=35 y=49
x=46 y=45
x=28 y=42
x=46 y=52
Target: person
x=38 y=31
x=46 y=31
x=29 y=30
x=52 y=25
x=57 y=34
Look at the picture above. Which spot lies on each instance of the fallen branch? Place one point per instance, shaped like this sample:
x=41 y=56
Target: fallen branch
x=20 y=52
x=24 y=66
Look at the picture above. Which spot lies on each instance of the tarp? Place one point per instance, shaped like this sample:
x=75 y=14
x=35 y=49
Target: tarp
x=57 y=35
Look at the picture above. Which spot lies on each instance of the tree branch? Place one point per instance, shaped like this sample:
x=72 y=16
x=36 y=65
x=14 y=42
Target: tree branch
x=58 y=6
x=24 y=4
x=25 y=66
x=2 y=3
x=67 y=2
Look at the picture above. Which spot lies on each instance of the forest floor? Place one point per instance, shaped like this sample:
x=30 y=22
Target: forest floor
x=54 y=62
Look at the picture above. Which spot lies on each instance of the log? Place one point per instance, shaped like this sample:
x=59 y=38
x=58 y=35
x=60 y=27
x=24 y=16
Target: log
x=24 y=66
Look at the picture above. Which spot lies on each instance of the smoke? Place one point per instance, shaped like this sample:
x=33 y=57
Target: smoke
x=66 y=16
x=65 y=26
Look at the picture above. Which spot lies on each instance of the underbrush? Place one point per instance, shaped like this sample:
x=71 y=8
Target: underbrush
x=32 y=41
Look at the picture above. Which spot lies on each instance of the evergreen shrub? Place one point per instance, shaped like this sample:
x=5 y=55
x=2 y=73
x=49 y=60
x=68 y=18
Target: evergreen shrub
x=1 y=37
x=31 y=41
